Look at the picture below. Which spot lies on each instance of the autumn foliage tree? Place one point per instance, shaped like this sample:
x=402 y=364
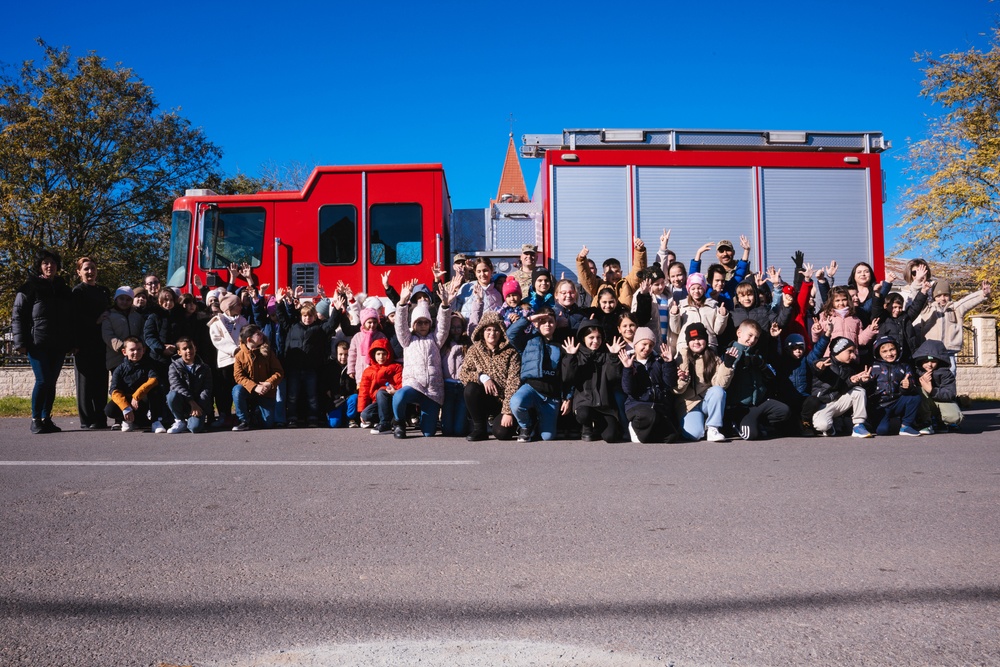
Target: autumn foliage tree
x=952 y=207
x=89 y=165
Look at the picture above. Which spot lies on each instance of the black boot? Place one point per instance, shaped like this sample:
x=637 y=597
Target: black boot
x=50 y=427
x=478 y=433
x=587 y=433
x=399 y=430
x=36 y=426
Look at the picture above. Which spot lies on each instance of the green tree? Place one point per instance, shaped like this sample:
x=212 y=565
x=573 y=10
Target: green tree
x=88 y=166
x=952 y=207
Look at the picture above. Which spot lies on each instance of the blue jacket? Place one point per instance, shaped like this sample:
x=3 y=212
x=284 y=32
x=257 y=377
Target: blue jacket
x=540 y=360
x=649 y=385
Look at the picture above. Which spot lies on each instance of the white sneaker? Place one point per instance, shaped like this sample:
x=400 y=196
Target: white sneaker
x=632 y=434
x=127 y=426
x=158 y=427
x=179 y=427
x=712 y=434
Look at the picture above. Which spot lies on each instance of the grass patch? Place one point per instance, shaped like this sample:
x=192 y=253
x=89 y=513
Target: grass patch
x=14 y=406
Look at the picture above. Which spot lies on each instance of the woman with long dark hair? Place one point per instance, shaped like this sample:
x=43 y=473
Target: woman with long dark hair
x=41 y=325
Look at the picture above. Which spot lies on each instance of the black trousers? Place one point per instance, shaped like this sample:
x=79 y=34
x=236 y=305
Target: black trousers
x=92 y=380
x=481 y=407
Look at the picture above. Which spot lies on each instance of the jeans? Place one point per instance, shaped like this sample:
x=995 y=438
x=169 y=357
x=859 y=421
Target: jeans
x=298 y=381
x=454 y=418
x=340 y=415
x=180 y=407
x=707 y=413
x=429 y=410
x=379 y=412
x=46 y=365
x=528 y=399
x=243 y=401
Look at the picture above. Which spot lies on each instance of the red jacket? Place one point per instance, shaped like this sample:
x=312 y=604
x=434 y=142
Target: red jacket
x=377 y=376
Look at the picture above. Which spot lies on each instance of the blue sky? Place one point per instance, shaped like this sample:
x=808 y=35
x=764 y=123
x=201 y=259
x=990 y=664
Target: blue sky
x=396 y=82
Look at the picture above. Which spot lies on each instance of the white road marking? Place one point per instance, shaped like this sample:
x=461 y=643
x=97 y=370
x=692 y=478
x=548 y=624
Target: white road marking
x=238 y=463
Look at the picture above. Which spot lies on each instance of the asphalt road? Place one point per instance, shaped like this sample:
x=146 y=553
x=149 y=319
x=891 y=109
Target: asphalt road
x=321 y=547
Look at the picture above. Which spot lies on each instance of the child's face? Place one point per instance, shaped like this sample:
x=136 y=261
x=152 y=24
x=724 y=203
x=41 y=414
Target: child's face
x=658 y=286
x=718 y=282
x=593 y=339
x=255 y=341
x=139 y=301
x=133 y=351
x=847 y=356
x=369 y=324
x=929 y=365
x=854 y=297
x=676 y=276
x=627 y=329
x=697 y=345
x=422 y=327
x=547 y=327
x=342 y=356
x=745 y=299
x=697 y=291
x=840 y=301
x=798 y=351
x=308 y=317
x=607 y=303
x=512 y=299
x=543 y=284
x=896 y=309
x=484 y=274
x=380 y=357
x=123 y=302
x=187 y=352
x=942 y=299
x=457 y=328
x=566 y=296
x=888 y=352
x=643 y=349
x=492 y=336
x=747 y=336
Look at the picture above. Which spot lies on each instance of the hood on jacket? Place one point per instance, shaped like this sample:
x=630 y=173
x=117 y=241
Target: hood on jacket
x=490 y=318
x=882 y=340
x=932 y=349
x=380 y=344
x=585 y=326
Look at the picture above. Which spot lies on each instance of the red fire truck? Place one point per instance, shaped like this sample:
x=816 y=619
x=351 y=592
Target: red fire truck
x=820 y=192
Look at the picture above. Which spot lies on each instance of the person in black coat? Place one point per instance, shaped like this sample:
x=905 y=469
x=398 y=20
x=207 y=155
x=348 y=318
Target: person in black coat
x=42 y=322
x=90 y=307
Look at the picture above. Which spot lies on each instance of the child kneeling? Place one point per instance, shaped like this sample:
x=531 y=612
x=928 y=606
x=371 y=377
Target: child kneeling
x=257 y=372
x=190 y=395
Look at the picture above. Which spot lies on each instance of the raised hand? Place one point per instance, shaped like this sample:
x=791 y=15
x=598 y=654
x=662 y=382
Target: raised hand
x=722 y=309
x=638 y=243
x=385 y=279
x=774 y=275
x=665 y=239
x=645 y=286
x=744 y=242
x=339 y=302
x=799 y=258
x=667 y=351
x=438 y=272
x=986 y=287
x=197 y=281
x=807 y=271
x=616 y=345
x=874 y=325
x=675 y=308
x=299 y=292
x=625 y=358
x=702 y=250
x=582 y=255
x=775 y=329
x=321 y=290
x=570 y=346
x=832 y=269
x=920 y=274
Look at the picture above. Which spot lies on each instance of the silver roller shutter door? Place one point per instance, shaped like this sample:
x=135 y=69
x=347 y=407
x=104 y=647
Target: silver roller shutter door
x=591 y=209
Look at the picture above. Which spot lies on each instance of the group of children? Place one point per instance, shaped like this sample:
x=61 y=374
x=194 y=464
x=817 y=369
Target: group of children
x=657 y=355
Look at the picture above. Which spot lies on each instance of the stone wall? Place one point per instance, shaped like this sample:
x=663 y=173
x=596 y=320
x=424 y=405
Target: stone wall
x=19 y=381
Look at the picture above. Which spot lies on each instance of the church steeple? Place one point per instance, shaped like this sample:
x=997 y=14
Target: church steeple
x=512 y=186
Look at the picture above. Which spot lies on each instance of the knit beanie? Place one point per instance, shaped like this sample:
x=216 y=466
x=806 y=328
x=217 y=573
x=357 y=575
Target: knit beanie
x=696 y=279
x=372 y=302
x=839 y=344
x=540 y=271
x=227 y=302
x=696 y=331
x=368 y=314
x=942 y=287
x=511 y=286
x=421 y=311
x=794 y=340
x=643 y=333
x=124 y=290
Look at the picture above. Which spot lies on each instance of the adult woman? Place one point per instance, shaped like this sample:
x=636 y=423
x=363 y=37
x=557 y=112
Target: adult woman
x=163 y=327
x=491 y=373
x=41 y=325
x=862 y=281
x=90 y=308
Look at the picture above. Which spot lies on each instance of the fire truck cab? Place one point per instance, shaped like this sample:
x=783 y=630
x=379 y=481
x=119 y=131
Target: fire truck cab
x=349 y=224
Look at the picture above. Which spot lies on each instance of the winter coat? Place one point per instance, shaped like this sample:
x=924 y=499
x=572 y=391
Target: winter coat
x=225 y=333
x=795 y=375
x=833 y=381
x=118 y=326
x=692 y=390
x=42 y=317
x=306 y=347
x=901 y=328
x=502 y=365
x=595 y=375
x=163 y=328
x=707 y=314
x=358 y=358
x=945 y=323
x=944 y=386
x=422 y=354
x=133 y=380
x=252 y=367
x=376 y=376
x=194 y=384
x=540 y=361
x=888 y=376
x=650 y=383
x=89 y=303
x=849 y=327
x=752 y=376
x=473 y=307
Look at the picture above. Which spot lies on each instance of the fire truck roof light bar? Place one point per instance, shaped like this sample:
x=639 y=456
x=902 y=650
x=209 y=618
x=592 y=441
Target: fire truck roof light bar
x=535 y=145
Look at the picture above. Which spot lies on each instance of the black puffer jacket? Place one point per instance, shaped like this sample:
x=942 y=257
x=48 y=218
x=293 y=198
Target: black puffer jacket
x=42 y=316
x=594 y=374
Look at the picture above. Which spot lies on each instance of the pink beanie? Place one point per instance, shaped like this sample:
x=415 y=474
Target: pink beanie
x=511 y=286
x=696 y=279
x=369 y=314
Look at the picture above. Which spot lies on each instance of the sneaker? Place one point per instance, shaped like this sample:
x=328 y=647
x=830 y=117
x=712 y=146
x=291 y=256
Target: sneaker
x=178 y=427
x=352 y=424
x=829 y=433
x=158 y=427
x=381 y=428
x=365 y=424
x=117 y=426
x=927 y=430
x=713 y=434
x=49 y=427
x=524 y=435
x=861 y=432
x=632 y=435
x=127 y=426
x=399 y=430
x=36 y=426
x=242 y=426
x=910 y=431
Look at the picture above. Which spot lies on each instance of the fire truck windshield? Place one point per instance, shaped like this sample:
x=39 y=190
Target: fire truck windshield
x=180 y=236
x=232 y=235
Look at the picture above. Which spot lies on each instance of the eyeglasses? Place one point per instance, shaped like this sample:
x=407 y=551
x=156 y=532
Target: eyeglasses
x=152 y=282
